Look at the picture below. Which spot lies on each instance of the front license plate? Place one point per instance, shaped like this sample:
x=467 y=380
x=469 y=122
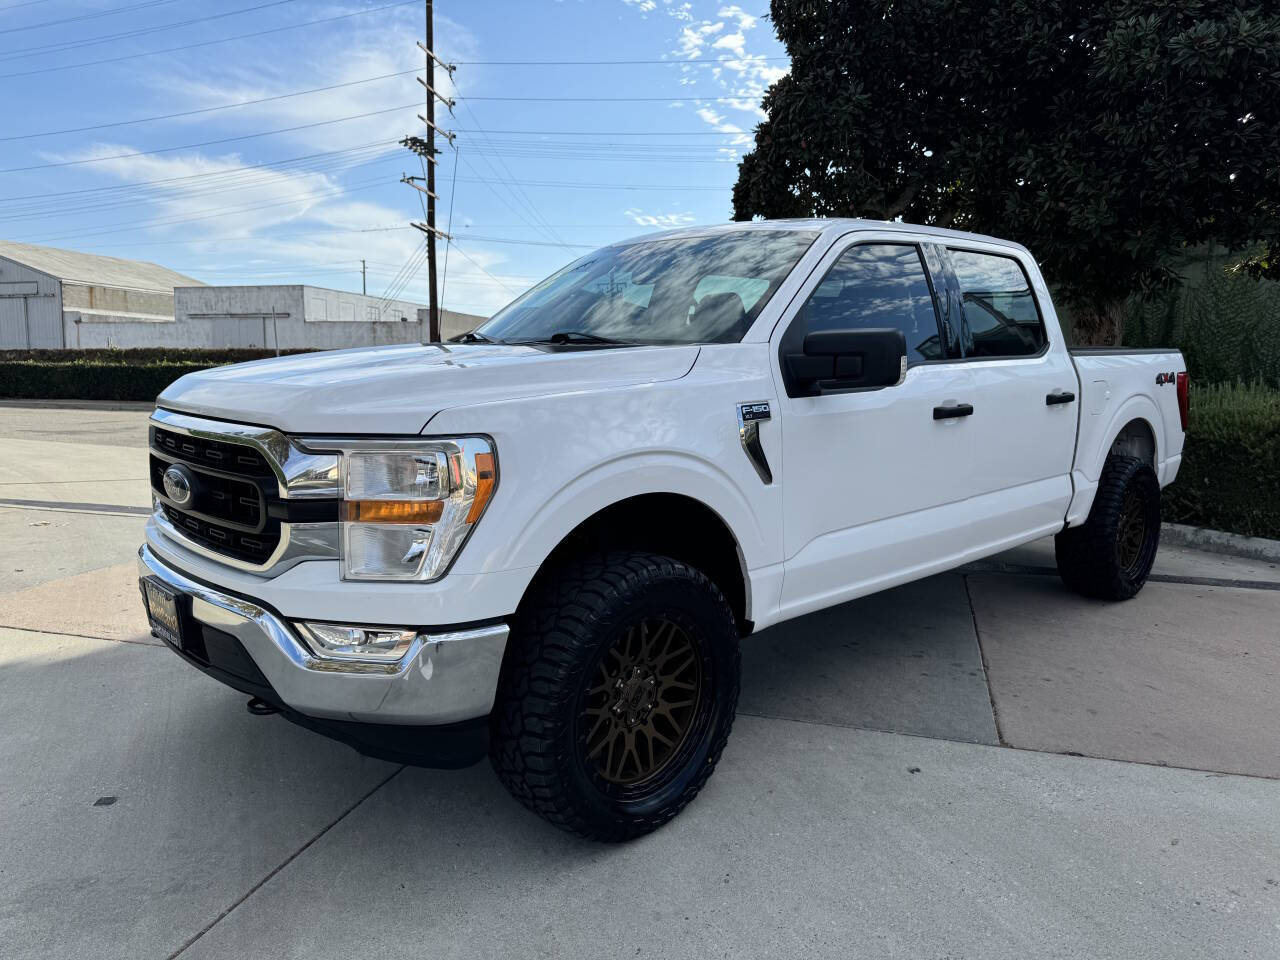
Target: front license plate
x=162 y=610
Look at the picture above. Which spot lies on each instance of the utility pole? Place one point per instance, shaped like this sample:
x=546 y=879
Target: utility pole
x=364 y=284
x=431 y=176
x=426 y=149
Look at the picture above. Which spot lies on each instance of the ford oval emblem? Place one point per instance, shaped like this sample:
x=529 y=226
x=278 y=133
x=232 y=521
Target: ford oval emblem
x=178 y=485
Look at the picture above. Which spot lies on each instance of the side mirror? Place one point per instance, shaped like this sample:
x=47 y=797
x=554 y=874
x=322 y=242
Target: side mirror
x=835 y=360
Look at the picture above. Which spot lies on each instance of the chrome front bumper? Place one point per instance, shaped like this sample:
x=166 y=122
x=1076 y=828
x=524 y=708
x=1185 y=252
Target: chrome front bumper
x=445 y=677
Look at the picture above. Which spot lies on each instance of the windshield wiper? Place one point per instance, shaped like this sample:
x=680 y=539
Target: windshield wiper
x=577 y=336
x=472 y=337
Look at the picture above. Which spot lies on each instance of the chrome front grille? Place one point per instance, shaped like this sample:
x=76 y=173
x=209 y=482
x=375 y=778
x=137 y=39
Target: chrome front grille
x=258 y=500
x=218 y=454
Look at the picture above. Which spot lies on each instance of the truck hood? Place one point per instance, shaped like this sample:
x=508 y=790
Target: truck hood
x=397 y=389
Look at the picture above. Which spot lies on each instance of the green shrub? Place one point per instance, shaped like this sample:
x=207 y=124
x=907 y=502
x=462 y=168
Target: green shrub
x=1226 y=325
x=90 y=381
x=108 y=374
x=1230 y=474
x=140 y=355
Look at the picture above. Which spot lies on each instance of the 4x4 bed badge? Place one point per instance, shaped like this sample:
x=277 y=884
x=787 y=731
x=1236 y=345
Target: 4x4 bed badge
x=750 y=416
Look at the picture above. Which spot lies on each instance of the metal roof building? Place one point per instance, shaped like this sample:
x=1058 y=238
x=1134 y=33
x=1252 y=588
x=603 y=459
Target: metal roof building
x=47 y=294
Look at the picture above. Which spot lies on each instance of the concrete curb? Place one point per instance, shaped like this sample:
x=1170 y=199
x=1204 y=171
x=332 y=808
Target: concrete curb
x=1216 y=541
x=80 y=404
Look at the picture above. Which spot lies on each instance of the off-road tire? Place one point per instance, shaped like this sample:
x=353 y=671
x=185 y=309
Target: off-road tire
x=1104 y=558
x=561 y=639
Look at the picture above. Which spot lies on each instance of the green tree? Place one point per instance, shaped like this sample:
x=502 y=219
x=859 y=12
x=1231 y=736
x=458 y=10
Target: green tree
x=1108 y=136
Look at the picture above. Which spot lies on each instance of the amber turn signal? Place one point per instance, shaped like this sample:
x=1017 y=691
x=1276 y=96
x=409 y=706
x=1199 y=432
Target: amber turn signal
x=392 y=511
x=486 y=477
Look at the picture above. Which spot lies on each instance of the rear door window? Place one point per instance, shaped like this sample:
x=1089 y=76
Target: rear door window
x=1000 y=314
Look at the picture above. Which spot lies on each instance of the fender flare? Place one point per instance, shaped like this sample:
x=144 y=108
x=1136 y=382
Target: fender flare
x=1088 y=468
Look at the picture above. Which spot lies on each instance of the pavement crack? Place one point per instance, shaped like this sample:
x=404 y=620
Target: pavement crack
x=982 y=656
x=65 y=506
x=1024 y=569
x=83 y=636
x=284 y=863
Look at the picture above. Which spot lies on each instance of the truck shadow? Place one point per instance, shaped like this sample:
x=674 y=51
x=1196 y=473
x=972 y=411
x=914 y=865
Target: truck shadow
x=906 y=660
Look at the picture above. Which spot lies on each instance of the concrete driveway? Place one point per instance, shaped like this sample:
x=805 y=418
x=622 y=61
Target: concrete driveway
x=979 y=765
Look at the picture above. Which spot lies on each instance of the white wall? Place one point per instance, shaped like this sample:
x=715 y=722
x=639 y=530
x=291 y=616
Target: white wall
x=30 y=308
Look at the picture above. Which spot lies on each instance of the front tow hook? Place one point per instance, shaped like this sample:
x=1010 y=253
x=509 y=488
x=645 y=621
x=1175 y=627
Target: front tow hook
x=260 y=708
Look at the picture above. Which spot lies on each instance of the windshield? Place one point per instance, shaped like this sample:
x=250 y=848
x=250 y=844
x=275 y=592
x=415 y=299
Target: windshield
x=692 y=290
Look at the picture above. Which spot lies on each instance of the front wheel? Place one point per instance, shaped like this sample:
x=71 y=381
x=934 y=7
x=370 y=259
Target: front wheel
x=1111 y=554
x=618 y=694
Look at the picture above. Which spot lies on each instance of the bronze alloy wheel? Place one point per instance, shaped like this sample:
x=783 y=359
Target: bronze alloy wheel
x=642 y=702
x=1131 y=532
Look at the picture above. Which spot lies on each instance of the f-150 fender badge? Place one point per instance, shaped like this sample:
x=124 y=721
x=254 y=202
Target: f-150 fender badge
x=750 y=416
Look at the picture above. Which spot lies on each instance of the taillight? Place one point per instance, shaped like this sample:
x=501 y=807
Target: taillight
x=1184 y=398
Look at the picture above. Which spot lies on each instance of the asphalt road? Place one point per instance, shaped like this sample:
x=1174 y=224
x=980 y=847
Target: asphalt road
x=979 y=765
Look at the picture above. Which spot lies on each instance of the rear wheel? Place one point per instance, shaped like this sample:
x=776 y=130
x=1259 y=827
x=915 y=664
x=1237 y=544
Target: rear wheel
x=1110 y=556
x=618 y=694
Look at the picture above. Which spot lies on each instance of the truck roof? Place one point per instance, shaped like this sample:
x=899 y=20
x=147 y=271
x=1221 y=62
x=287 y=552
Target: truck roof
x=818 y=225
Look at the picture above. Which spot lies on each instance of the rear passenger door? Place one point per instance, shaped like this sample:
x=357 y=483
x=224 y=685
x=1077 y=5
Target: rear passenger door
x=872 y=479
x=1022 y=434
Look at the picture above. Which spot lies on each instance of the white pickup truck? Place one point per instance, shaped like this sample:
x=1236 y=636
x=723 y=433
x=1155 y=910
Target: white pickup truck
x=545 y=539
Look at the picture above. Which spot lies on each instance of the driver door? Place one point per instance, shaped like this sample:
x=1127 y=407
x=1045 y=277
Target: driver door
x=873 y=479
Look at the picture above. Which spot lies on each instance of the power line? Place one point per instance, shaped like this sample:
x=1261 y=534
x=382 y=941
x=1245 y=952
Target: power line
x=197 y=176
x=25 y=52
x=509 y=181
x=24 y=3
x=203 y=110
x=472 y=261
x=209 y=143
x=79 y=208
x=88 y=16
x=613 y=99
x=608 y=133
x=603 y=186
x=135 y=225
x=206 y=43
x=721 y=61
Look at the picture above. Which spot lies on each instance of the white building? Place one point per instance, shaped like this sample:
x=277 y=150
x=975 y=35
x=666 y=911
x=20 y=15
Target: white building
x=53 y=298
x=56 y=299
x=297 y=316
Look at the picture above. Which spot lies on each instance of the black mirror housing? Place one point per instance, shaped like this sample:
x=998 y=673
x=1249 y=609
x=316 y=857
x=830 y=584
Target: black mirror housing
x=837 y=360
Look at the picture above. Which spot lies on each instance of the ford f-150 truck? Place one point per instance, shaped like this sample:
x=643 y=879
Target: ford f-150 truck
x=545 y=539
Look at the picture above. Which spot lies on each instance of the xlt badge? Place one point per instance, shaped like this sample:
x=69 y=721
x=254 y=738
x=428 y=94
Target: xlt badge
x=750 y=416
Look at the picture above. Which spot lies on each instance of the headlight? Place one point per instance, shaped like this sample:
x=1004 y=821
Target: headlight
x=408 y=506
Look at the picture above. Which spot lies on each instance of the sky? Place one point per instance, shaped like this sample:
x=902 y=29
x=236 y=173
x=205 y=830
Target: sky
x=182 y=132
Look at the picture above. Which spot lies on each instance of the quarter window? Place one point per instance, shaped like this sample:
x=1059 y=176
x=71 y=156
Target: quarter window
x=1000 y=314
x=874 y=285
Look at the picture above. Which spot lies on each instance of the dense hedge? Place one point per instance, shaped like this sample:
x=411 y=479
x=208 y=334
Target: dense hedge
x=1230 y=475
x=114 y=355
x=107 y=374
x=90 y=381
x=1226 y=325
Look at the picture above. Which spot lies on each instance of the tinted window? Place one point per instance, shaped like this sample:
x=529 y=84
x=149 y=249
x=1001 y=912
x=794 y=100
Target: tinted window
x=875 y=285
x=687 y=290
x=1000 y=314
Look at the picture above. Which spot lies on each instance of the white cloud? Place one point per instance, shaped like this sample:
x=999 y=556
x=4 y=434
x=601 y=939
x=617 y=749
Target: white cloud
x=744 y=20
x=734 y=42
x=372 y=49
x=742 y=77
x=640 y=218
x=644 y=6
x=693 y=39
